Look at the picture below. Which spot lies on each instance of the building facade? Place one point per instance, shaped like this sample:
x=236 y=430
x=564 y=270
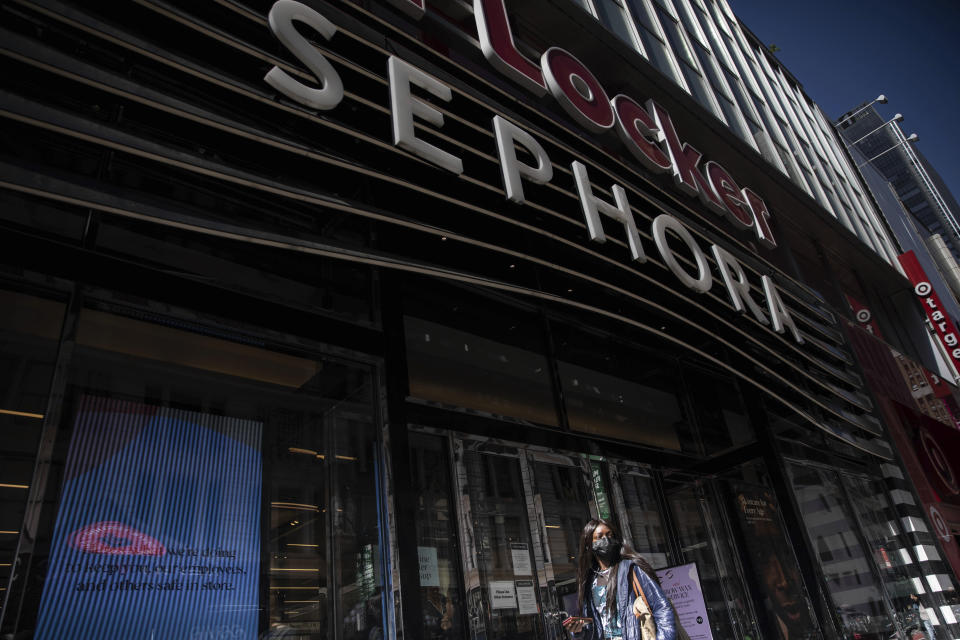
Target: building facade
x=340 y=320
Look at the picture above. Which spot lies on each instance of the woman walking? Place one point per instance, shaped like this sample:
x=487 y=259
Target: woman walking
x=618 y=597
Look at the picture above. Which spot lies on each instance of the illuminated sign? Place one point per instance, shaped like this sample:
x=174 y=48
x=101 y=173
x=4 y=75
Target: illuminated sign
x=158 y=528
x=649 y=133
x=930 y=301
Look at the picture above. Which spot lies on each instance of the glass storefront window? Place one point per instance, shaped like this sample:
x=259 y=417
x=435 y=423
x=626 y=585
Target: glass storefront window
x=29 y=334
x=721 y=420
x=436 y=521
x=879 y=524
x=614 y=391
x=468 y=351
x=614 y=16
x=204 y=484
x=564 y=500
x=503 y=549
x=832 y=531
x=647 y=532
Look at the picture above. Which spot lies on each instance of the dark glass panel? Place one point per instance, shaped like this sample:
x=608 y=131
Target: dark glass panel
x=439 y=555
x=469 y=351
x=618 y=392
x=29 y=335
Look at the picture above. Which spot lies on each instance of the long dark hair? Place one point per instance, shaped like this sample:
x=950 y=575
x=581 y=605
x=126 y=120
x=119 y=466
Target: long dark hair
x=587 y=565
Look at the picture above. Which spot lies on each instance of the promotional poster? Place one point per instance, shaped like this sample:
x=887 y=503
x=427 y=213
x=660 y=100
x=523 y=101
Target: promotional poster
x=682 y=585
x=773 y=564
x=157 y=534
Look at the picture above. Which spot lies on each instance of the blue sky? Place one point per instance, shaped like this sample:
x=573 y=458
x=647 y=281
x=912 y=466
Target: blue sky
x=846 y=52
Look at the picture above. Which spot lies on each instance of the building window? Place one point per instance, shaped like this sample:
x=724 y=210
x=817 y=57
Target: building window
x=613 y=14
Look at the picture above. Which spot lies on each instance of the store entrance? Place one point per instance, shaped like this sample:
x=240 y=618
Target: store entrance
x=521 y=516
x=498 y=527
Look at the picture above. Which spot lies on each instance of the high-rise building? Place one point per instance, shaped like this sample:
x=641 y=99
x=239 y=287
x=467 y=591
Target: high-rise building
x=342 y=320
x=916 y=183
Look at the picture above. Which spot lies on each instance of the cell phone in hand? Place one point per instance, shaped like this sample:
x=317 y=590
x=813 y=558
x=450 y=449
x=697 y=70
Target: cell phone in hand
x=572 y=619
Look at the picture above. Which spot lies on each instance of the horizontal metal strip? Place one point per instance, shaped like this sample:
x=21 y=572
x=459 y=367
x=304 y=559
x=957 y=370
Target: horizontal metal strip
x=810 y=323
x=824 y=331
x=106 y=135
x=834 y=351
x=24 y=181
x=856 y=399
x=849 y=376
x=865 y=425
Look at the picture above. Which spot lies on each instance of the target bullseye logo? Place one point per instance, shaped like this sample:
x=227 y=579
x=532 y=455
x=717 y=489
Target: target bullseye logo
x=115 y=539
x=940 y=524
x=939 y=461
x=922 y=288
x=864 y=315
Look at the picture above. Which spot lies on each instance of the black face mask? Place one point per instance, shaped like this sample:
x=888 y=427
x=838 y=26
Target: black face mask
x=607 y=549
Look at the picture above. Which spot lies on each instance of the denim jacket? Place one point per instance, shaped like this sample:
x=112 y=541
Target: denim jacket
x=659 y=605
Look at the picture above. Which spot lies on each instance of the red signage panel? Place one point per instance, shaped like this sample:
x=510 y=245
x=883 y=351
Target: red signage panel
x=930 y=301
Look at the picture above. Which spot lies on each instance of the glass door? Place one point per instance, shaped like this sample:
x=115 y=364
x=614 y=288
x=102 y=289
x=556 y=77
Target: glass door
x=520 y=514
x=706 y=543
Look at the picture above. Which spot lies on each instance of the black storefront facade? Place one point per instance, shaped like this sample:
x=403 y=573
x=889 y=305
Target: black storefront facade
x=293 y=361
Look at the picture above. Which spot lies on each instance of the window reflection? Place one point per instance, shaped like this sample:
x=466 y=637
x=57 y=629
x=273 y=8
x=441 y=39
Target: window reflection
x=503 y=547
x=880 y=526
x=564 y=501
x=646 y=521
x=830 y=522
x=436 y=539
x=29 y=331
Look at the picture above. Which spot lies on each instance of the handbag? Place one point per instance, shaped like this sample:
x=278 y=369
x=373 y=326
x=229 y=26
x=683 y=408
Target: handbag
x=641 y=609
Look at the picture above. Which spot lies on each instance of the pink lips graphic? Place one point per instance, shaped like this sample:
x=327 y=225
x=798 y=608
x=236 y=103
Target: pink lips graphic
x=115 y=538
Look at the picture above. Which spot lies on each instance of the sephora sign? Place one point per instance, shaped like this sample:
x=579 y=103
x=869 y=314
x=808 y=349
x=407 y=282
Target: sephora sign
x=646 y=131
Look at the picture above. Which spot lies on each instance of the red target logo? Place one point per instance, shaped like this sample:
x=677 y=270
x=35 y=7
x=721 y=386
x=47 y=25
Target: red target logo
x=115 y=539
x=939 y=524
x=939 y=461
